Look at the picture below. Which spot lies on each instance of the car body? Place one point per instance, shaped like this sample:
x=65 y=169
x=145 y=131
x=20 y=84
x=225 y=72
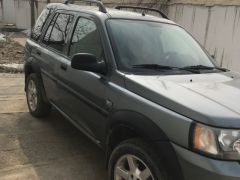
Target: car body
x=114 y=105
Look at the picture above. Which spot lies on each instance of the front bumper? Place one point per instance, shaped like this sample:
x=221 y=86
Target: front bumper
x=198 y=167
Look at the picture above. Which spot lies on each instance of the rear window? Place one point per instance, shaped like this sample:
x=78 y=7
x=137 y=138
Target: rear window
x=37 y=29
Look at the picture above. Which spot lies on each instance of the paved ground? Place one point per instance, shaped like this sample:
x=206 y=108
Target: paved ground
x=43 y=149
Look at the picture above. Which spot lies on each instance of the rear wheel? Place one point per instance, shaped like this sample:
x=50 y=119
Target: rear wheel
x=135 y=160
x=36 y=104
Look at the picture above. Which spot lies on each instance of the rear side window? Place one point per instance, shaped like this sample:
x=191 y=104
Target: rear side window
x=37 y=29
x=56 y=35
x=86 y=39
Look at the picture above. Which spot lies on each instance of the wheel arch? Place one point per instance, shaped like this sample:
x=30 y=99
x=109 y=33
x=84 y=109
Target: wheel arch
x=137 y=123
x=127 y=124
x=30 y=67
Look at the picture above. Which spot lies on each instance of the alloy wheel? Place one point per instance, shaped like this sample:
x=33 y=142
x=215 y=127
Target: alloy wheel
x=130 y=167
x=32 y=95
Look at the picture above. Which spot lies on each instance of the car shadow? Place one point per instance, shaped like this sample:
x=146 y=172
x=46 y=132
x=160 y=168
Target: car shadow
x=52 y=148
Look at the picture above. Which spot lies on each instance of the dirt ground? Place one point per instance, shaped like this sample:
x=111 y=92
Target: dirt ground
x=42 y=149
x=11 y=52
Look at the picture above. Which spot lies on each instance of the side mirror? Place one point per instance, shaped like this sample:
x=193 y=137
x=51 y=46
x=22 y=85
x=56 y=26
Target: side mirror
x=213 y=56
x=88 y=62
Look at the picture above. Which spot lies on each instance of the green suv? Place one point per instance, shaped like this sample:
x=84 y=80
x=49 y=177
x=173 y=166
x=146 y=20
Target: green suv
x=140 y=87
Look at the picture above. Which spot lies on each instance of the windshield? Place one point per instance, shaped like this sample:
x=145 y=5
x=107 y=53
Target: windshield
x=141 y=43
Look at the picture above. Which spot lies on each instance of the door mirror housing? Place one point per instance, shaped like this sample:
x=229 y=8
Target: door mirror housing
x=88 y=62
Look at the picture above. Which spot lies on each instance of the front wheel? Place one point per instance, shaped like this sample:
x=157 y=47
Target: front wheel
x=36 y=104
x=135 y=160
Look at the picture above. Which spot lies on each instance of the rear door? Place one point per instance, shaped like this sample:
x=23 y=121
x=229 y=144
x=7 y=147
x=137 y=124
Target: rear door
x=53 y=50
x=82 y=95
x=38 y=50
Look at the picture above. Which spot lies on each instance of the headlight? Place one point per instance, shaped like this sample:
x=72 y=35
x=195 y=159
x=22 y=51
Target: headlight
x=218 y=143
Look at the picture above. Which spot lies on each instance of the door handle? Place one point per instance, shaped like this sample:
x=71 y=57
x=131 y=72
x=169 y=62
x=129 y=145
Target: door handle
x=63 y=67
x=39 y=53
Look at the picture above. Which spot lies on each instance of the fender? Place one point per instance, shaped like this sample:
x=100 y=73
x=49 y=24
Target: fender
x=137 y=122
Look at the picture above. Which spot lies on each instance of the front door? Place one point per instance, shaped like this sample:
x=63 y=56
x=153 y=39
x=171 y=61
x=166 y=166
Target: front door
x=83 y=93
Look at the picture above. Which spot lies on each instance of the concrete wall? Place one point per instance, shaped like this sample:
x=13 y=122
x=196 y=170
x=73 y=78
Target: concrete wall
x=8 y=11
x=23 y=14
x=214 y=23
x=15 y=12
x=216 y=27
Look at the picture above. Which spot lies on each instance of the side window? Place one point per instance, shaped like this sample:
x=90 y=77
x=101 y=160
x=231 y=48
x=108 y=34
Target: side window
x=86 y=39
x=37 y=29
x=56 y=35
x=49 y=30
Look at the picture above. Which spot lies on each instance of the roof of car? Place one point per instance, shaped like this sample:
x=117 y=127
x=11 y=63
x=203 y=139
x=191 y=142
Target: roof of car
x=111 y=12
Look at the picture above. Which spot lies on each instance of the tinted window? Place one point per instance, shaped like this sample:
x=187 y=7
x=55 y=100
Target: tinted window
x=37 y=29
x=86 y=39
x=56 y=36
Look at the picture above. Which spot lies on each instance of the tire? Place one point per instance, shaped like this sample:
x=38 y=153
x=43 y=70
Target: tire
x=141 y=151
x=36 y=104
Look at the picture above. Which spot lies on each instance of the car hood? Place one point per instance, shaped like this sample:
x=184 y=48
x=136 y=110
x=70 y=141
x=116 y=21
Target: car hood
x=212 y=98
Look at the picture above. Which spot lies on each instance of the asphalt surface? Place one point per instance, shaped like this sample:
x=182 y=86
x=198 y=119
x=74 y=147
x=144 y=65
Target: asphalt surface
x=42 y=149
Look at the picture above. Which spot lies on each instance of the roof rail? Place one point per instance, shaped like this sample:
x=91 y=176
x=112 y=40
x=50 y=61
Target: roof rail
x=98 y=2
x=142 y=8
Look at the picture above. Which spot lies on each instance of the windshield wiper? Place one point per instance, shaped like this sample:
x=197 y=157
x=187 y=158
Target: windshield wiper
x=192 y=69
x=162 y=67
x=198 y=67
x=202 y=67
x=222 y=69
x=153 y=66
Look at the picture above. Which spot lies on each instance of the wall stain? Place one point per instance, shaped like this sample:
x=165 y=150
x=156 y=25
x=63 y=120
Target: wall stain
x=225 y=17
x=175 y=16
x=193 y=17
x=215 y=53
x=222 y=58
x=179 y=12
x=207 y=26
x=238 y=16
x=234 y=22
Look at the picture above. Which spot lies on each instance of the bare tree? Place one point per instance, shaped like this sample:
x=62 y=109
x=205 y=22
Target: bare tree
x=32 y=12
